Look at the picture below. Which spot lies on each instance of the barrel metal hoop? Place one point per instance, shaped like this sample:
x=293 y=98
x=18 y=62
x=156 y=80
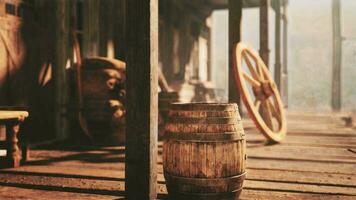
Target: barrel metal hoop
x=207 y=180
x=205 y=137
x=226 y=182
x=205 y=120
x=203 y=107
x=209 y=194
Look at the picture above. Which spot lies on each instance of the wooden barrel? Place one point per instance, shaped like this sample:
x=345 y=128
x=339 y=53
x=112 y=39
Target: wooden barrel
x=204 y=152
x=103 y=90
x=165 y=99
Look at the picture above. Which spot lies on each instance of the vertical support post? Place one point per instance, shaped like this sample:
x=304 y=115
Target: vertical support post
x=264 y=47
x=166 y=36
x=91 y=28
x=235 y=13
x=61 y=37
x=278 y=64
x=142 y=99
x=284 y=84
x=337 y=53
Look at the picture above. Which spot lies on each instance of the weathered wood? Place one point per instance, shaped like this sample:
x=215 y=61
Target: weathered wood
x=337 y=56
x=295 y=165
x=282 y=195
x=304 y=177
x=317 y=154
x=278 y=64
x=284 y=82
x=264 y=35
x=266 y=103
x=103 y=91
x=306 y=140
x=142 y=109
x=19 y=115
x=204 y=157
x=12 y=121
x=301 y=188
x=61 y=30
x=235 y=13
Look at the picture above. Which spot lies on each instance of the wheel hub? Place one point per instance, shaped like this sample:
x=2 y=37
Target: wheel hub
x=264 y=91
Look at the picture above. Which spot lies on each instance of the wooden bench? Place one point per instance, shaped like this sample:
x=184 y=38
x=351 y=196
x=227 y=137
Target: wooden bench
x=12 y=120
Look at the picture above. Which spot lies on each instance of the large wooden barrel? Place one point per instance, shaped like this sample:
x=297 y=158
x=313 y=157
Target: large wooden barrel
x=103 y=89
x=204 y=152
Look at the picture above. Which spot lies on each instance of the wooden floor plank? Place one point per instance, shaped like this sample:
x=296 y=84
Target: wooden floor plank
x=301 y=188
x=248 y=194
x=315 y=178
x=11 y=193
x=302 y=166
x=281 y=152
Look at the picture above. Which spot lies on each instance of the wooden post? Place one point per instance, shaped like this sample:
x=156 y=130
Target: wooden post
x=235 y=12
x=264 y=47
x=59 y=62
x=284 y=82
x=278 y=64
x=142 y=100
x=91 y=28
x=337 y=53
x=166 y=42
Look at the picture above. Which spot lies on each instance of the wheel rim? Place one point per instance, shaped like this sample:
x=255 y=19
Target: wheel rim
x=259 y=93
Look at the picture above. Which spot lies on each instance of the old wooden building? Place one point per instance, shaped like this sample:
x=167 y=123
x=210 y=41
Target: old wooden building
x=84 y=83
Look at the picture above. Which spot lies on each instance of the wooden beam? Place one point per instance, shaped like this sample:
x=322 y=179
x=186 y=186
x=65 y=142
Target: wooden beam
x=284 y=84
x=61 y=28
x=337 y=53
x=264 y=46
x=142 y=100
x=166 y=36
x=278 y=64
x=264 y=50
x=235 y=13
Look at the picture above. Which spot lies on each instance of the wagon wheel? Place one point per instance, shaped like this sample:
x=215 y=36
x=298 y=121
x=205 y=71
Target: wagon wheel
x=259 y=93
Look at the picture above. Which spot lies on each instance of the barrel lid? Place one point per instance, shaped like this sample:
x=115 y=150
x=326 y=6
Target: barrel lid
x=204 y=106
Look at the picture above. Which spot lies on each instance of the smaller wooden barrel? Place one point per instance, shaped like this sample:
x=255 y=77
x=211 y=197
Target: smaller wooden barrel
x=204 y=152
x=165 y=99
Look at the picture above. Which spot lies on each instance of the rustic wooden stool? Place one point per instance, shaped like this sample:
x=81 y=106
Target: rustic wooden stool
x=12 y=120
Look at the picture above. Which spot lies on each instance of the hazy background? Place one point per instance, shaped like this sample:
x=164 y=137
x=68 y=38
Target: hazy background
x=309 y=51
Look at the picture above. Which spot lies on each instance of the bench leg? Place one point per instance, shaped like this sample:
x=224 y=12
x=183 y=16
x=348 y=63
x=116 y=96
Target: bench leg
x=13 y=155
x=25 y=149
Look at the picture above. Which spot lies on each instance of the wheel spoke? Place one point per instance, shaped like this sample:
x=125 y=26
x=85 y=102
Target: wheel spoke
x=258 y=65
x=251 y=80
x=274 y=110
x=267 y=114
x=255 y=75
x=257 y=104
x=260 y=71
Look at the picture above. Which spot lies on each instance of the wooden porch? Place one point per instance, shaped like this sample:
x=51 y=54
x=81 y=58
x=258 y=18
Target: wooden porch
x=316 y=161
